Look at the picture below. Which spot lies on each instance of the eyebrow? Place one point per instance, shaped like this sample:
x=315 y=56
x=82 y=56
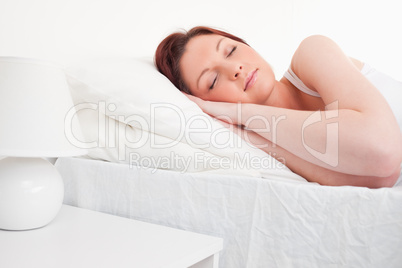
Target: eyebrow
x=219 y=43
x=207 y=69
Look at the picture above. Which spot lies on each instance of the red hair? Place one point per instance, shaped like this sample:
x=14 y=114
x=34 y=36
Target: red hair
x=171 y=49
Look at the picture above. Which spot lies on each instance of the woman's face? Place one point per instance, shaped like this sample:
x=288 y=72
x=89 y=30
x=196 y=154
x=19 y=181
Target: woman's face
x=217 y=68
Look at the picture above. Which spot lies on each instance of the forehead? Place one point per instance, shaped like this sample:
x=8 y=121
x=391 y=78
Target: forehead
x=203 y=41
x=198 y=52
x=199 y=47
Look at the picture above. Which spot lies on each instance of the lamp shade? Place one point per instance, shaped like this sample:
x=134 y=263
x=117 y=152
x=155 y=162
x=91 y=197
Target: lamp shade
x=34 y=101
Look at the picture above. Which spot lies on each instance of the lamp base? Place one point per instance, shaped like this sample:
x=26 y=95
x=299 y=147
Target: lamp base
x=31 y=193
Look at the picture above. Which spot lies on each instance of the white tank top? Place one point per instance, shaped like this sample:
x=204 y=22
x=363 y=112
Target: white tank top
x=295 y=80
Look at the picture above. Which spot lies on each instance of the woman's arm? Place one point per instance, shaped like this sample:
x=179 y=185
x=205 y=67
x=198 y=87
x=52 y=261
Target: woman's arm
x=369 y=138
x=296 y=132
x=314 y=173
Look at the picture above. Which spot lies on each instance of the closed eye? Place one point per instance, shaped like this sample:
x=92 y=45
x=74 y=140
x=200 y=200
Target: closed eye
x=216 y=77
x=213 y=83
x=231 y=52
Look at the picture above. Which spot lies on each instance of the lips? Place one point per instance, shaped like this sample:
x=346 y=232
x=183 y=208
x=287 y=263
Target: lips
x=250 y=79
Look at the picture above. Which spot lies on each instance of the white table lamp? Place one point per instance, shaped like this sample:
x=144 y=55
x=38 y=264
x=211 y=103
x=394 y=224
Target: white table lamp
x=34 y=101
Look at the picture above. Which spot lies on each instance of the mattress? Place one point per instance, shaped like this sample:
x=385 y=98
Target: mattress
x=270 y=222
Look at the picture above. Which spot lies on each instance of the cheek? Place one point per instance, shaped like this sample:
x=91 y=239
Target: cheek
x=226 y=95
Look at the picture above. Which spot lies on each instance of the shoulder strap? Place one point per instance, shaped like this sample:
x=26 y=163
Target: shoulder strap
x=292 y=77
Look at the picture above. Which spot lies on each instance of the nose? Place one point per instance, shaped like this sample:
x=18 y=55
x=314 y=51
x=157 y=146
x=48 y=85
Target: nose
x=234 y=71
x=238 y=70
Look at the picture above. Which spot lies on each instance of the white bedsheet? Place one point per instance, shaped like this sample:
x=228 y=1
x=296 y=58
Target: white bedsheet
x=264 y=222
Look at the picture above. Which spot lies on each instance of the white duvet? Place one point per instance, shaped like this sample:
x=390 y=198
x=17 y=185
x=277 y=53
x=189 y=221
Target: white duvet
x=270 y=222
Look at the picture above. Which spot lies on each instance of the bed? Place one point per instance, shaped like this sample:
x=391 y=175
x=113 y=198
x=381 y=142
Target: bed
x=264 y=222
x=155 y=156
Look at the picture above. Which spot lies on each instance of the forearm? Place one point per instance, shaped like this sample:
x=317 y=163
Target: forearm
x=344 y=141
x=314 y=173
x=315 y=136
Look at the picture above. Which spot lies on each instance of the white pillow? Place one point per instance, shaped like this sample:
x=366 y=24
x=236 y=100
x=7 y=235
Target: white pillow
x=131 y=113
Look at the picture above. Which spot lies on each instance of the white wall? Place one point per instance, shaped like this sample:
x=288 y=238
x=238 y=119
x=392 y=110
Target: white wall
x=65 y=30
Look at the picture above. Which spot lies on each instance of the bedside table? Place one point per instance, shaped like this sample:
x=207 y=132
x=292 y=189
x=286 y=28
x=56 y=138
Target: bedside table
x=85 y=238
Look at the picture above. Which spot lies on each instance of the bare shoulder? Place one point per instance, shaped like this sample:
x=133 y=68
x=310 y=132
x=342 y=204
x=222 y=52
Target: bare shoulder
x=316 y=57
x=315 y=51
x=317 y=46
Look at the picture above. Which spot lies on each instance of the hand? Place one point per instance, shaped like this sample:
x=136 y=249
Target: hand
x=222 y=111
x=195 y=99
x=218 y=110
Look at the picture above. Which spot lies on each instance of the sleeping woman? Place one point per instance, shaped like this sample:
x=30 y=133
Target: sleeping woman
x=325 y=118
